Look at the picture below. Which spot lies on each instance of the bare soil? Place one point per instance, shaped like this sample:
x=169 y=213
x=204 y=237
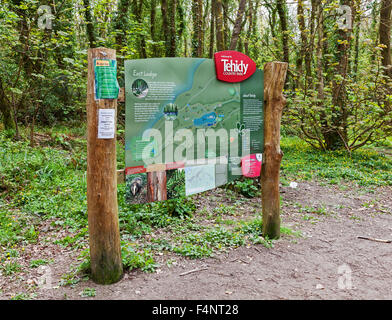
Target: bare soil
x=328 y=260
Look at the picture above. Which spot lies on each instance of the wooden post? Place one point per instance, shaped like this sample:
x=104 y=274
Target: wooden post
x=105 y=251
x=274 y=79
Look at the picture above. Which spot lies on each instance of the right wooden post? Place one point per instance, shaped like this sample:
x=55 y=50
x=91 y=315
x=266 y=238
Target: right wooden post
x=274 y=102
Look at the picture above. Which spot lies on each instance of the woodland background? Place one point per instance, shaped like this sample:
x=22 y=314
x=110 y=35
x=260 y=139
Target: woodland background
x=338 y=86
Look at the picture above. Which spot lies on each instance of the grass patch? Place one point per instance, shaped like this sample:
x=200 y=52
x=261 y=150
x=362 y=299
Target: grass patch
x=10 y=268
x=365 y=167
x=88 y=292
x=38 y=262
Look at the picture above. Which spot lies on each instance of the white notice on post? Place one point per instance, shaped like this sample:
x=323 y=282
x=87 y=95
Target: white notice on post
x=106 y=123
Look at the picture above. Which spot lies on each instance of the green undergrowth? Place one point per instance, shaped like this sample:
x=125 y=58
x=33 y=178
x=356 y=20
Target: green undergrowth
x=48 y=182
x=365 y=167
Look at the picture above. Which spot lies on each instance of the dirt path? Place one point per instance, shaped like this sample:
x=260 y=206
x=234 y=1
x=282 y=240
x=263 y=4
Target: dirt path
x=327 y=262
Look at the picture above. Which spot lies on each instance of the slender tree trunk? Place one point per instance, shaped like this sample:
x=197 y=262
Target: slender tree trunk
x=220 y=44
x=385 y=35
x=197 y=35
x=310 y=45
x=172 y=27
x=336 y=138
x=121 y=26
x=281 y=7
x=225 y=7
x=137 y=10
x=6 y=111
x=89 y=24
x=165 y=25
x=212 y=29
x=250 y=25
x=180 y=20
x=142 y=39
x=320 y=76
x=303 y=45
x=237 y=25
x=153 y=5
x=356 y=49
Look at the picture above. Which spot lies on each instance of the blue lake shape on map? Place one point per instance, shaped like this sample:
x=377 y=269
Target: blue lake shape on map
x=208 y=119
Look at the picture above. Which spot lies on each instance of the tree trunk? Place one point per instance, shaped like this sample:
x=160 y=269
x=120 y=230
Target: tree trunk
x=89 y=24
x=274 y=79
x=250 y=25
x=212 y=29
x=165 y=25
x=121 y=27
x=303 y=45
x=237 y=25
x=225 y=7
x=320 y=77
x=337 y=137
x=281 y=7
x=197 y=35
x=137 y=10
x=385 y=35
x=171 y=50
x=6 y=112
x=152 y=27
x=310 y=45
x=220 y=44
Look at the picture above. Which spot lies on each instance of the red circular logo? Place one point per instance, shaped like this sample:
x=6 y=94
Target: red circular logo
x=233 y=66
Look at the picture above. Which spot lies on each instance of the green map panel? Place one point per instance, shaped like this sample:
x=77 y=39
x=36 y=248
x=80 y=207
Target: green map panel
x=177 y=111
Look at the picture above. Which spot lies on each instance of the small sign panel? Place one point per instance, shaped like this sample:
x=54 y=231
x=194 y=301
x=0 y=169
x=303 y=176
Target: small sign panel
x=106 y=85
x=251 y=165
x=233 y=66
x=106 y=123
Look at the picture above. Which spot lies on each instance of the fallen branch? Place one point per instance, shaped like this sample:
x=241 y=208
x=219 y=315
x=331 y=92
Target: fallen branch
x=237 y=259
x=374 y=239
x=192 y=271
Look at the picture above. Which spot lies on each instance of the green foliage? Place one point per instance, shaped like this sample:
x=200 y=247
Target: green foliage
x=220 y=236
x=245 y=186
x=22 y=296
x=37 y=263
x=88 y=292
x=193 y=251
x=365 y=167
x=137 y=259
x=10 y=268
x=175 y=184
x=43 y=182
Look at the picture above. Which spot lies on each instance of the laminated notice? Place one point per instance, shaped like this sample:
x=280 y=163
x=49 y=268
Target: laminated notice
x=106 y=123
x=106 y=85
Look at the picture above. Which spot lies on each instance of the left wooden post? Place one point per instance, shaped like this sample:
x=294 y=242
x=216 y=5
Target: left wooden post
x=102 y=207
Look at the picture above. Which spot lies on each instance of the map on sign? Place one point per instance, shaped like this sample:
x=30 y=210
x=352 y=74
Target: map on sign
x=180 y=118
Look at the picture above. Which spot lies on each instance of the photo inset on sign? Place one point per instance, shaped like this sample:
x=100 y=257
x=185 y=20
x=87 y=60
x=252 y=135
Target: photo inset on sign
x=139 y=88
x=170 y=112
x=175 y=183
x=136 y=188
x=140 y=186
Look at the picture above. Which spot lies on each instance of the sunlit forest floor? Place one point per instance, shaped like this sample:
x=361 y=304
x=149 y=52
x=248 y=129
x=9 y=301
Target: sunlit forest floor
x=207 y=246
